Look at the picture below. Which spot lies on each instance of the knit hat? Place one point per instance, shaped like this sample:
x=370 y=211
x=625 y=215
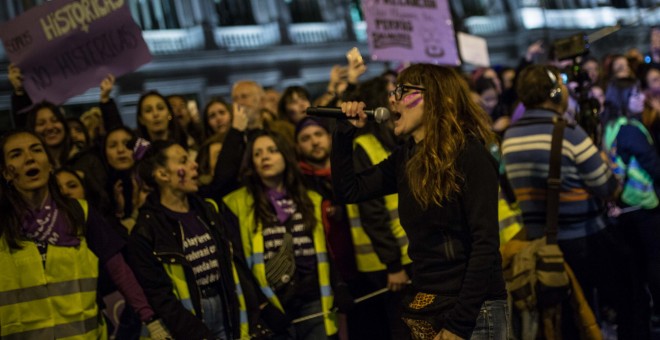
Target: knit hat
x=308 y=121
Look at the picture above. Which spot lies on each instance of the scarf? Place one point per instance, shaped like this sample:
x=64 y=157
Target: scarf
x=48 y=225
x=283 y=205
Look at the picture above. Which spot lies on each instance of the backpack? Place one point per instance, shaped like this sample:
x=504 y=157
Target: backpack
x=638 y=190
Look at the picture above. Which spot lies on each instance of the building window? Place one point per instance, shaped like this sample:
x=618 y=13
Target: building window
x=234 y=12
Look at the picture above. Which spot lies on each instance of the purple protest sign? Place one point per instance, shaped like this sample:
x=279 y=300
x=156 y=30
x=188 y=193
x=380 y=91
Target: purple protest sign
x=65 y=47
x=411 y=30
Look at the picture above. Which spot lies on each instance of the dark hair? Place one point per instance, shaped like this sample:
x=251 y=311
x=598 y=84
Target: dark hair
x=292 y=178
x=208 y=132
x=153 y=158
x=72 y=121
x=125 y=176
x=534 y=85
x=13 y=207
x=644 y=71
x=483 y=84
x=287 y=95
x=66 y=142
x=373 y=93
x=174 y=131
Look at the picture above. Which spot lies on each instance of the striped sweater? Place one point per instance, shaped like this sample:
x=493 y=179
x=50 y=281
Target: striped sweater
x=585 y=177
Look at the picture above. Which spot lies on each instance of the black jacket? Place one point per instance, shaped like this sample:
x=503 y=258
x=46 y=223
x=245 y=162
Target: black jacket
x=454 y=247
x=156 y=239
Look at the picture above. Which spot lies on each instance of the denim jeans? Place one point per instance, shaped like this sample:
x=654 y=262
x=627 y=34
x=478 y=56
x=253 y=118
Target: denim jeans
x=493 y=322
x=214 y=317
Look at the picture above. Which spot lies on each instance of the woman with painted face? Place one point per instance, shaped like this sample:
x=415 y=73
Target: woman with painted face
x=283 y=238
x=448 y=190
x=183 y=259
x=50 y=250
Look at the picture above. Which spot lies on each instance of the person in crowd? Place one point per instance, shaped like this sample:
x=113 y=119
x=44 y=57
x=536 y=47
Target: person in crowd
x=78 y=132
x=93 y=123
x=650 y=81
x=489 y=100
x=47 y=121
x=217 y=120
x=155 y=120
x=190 y=126
x=448 y=190
x=271 y=99
x=293 y=104
x=44 y=232
x=596 y=257
x=71 y=186
x=281 y=228
x=632 y=146
x=183 y=259
x=225 y=146
x=591 y=67
x=121 y=147
x=250 y=95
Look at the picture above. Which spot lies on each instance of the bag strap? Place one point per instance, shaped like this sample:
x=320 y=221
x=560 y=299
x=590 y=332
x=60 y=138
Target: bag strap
x=554 y=181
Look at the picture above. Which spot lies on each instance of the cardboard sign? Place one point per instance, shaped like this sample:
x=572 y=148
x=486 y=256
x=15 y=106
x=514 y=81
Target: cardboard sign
x=474 y=50
x=411 y=31
x=65 y=47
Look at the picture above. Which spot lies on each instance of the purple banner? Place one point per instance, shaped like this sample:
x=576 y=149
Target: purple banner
x=65 y=47
x=411 y=31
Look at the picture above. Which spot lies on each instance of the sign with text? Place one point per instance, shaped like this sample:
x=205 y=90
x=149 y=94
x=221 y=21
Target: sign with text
x=65 y=47
x=411 y=30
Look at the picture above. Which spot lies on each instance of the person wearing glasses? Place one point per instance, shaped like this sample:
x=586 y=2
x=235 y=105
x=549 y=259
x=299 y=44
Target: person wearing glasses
x=448 y=185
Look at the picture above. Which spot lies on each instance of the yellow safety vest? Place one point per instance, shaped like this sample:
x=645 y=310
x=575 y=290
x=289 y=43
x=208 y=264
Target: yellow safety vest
x=509 y=218
x=366 y=258
x=241 y=203
x=52 y=301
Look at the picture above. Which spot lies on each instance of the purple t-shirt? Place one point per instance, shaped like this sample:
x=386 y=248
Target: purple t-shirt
x=199 y=248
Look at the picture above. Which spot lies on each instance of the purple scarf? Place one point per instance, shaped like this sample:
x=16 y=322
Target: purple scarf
x=282 y=204
x=48 y=225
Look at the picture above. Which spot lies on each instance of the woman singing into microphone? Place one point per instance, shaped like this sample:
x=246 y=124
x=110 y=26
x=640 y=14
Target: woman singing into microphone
x=447 y=184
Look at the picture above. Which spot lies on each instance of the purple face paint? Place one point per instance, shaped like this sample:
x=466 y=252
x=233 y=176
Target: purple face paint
x=412 y=100
x=182 y=174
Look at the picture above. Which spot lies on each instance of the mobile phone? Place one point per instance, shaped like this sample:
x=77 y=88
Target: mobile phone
x=353 y=55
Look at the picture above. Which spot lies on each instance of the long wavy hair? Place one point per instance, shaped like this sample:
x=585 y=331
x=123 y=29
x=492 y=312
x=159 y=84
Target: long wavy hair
x=13 y=208
x=450 y=118
x=292 y=178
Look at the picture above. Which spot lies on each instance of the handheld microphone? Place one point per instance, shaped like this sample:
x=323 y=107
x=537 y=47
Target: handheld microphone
x=380 y=114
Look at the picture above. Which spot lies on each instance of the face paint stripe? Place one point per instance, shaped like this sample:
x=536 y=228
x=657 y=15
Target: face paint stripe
x=413 y=100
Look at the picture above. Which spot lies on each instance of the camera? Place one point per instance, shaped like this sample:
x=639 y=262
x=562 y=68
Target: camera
x=572 y=47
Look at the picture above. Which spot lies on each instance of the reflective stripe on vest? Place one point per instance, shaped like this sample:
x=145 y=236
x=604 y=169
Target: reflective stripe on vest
x=55 y=301
x=638 y=187
x=365 y=256
x=240 y=202
x=510 y=219
x=243 y=316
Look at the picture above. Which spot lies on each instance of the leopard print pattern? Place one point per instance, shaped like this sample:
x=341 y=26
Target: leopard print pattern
x=422 y=300
x=420 y=329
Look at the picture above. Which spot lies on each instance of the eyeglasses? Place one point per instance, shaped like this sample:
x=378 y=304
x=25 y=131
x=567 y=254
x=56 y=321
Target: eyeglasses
x=401 y=89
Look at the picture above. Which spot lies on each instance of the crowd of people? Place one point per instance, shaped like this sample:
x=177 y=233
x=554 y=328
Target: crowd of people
x=254 y=220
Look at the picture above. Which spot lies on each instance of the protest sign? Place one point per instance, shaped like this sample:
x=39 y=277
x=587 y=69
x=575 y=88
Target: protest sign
x=411 y=30
x=474 y=50
x=65 y=47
